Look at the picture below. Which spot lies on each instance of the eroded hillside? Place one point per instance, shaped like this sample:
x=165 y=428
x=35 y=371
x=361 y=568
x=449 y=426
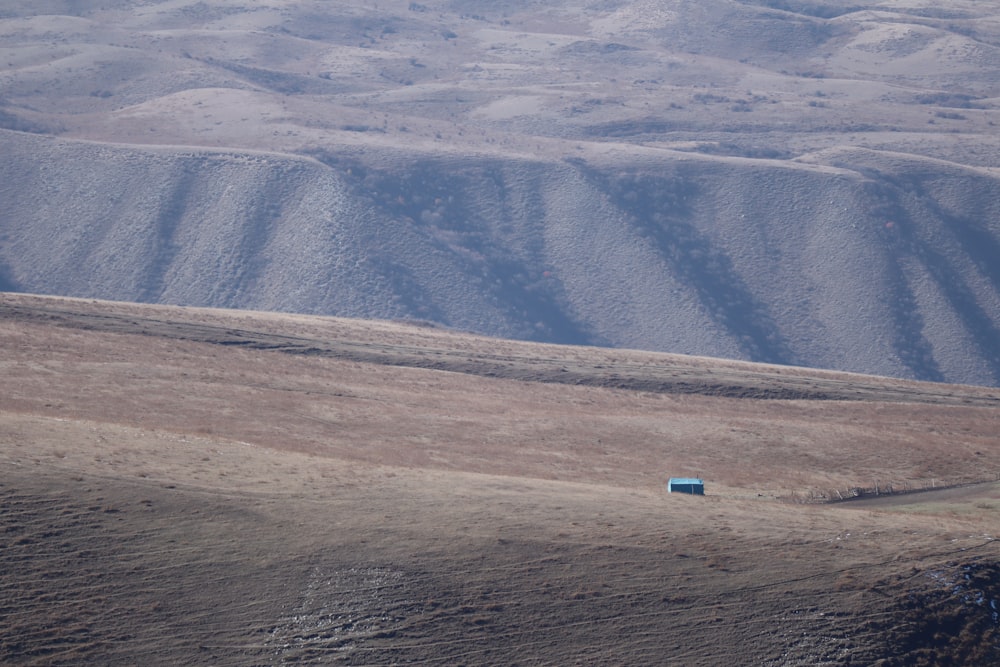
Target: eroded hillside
x=807 y=184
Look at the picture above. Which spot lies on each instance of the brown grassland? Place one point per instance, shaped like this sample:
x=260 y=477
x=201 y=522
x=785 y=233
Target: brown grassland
x=193 y=486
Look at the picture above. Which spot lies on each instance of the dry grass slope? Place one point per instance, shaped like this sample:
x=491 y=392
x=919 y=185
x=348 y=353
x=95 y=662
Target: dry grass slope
x=219 y=487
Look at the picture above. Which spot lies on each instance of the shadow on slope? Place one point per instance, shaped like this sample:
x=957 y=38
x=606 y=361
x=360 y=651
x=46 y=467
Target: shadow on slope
x=10 y=121
x=906 y=238
x=470 y=214
x=821 y=10
x=7 y=283
x=951 y=620
x=909 y=343
x=659 y=208
x=168 y=219
x=751 y=32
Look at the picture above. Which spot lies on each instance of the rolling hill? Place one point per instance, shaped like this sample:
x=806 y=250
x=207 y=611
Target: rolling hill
x=198 y=486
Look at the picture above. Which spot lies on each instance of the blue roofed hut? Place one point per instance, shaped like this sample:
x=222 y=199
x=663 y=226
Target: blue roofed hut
x=690 y=485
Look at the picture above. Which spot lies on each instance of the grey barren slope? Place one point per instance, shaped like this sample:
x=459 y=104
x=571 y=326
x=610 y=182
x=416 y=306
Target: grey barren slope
x=796 y=183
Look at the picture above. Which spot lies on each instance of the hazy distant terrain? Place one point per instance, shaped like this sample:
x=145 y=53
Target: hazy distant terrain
x=807 y=183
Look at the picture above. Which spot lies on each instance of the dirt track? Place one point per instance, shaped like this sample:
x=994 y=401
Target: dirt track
x=962 y=493
x=171 y=497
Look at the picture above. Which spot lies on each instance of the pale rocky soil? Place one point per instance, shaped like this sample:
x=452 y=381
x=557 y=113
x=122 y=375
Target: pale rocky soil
x=170 y=496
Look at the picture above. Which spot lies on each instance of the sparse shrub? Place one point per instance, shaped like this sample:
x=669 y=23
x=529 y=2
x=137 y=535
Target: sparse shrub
x=479 y=620
x=954 y=100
